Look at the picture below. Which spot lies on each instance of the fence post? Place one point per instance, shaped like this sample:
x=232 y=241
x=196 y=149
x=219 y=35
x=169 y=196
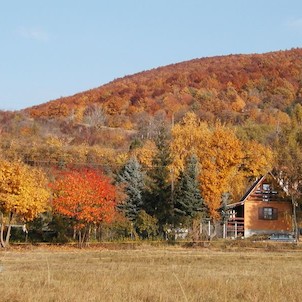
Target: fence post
x=235 y=229
x=209 y=228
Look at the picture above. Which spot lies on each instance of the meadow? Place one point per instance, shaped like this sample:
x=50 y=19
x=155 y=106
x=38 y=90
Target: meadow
x=149 y=273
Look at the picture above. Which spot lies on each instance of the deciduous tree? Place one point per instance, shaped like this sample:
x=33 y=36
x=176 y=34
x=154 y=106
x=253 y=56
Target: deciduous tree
x=220 y=160
x=188 y=138
x=219 y=153
x=289 y=163
x=87 y=196
x=23 y=193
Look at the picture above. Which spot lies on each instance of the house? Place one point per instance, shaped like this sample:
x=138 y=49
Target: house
x=264 y=209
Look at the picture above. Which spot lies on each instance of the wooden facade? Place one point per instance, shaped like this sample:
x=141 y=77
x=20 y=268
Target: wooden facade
x=264 y=209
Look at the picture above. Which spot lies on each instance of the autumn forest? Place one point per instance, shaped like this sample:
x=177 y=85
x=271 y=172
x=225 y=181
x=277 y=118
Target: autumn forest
x=152 y=151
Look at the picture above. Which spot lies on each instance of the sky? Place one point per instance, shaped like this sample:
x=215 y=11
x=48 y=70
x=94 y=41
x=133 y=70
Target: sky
x=56 y=48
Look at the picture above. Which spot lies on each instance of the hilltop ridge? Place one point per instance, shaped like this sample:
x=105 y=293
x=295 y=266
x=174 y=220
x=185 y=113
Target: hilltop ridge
x=232 y=88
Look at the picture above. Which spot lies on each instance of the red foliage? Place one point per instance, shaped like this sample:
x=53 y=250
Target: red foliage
x=274 y=76
x=86 y=195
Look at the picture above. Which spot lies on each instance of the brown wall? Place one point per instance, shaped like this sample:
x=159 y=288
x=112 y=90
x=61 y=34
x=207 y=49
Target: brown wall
x=252 y=221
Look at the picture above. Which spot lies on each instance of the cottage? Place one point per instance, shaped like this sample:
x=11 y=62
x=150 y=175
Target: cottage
x=264 y=209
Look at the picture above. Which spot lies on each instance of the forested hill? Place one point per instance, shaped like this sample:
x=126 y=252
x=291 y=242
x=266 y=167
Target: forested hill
x=233 y=88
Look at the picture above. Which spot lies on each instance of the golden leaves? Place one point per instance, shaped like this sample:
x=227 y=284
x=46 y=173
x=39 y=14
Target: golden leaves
x=22 y=190
x=258 y=159
x=145 y=153
x=221 y=155
x=188 y=137
x=220 y=161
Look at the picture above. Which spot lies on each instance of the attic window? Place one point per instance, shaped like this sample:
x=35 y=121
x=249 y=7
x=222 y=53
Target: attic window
x=266 y=188
x=267 y=213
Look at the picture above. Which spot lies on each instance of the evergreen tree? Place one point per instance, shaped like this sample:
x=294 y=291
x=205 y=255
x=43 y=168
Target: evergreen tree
x=159 y=201
x=132 y=178
x=188 y=200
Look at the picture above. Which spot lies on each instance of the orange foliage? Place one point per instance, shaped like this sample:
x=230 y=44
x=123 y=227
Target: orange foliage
x=220 y=160
x=270 y=81
x=219 y=152
x=87 y=196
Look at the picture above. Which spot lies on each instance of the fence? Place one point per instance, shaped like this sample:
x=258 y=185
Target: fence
x=228 y=229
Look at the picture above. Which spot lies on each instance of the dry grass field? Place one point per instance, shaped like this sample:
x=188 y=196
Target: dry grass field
x=149 y=273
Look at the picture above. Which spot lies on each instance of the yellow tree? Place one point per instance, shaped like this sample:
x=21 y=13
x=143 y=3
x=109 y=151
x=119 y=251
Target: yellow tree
x=145 y=154
x=189 y=137
x=23 y=193
x=219 y=153
x=257 y=161
x=226 y=163
x=220 y=160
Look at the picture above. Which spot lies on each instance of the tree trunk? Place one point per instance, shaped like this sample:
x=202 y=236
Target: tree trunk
x=2 y=243
x=1 y=235
x=9 y=229
x=88 y=235
x=80 y=239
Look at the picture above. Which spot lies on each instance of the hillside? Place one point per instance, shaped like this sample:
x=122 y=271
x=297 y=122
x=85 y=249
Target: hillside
x=235 y=118
x=232 y=88
x=255 y=93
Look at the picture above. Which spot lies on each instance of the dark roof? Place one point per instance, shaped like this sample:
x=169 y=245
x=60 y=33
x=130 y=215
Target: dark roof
x=250 y=190
x=235 y=204
x=247 y=193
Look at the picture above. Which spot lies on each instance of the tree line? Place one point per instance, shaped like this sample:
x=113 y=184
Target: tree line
x=170 y=181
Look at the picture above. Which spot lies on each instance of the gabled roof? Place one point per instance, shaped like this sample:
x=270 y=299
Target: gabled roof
x=251 y=189
x=247 y=194
x=233 y=205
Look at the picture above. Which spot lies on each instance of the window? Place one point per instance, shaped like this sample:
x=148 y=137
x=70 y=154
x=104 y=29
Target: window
x=266 y=192
x=266 y=188
x=268 y=213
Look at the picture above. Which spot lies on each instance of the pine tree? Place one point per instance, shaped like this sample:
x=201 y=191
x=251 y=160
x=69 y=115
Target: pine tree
x=132 y=178
x=159 y=201
x=188 y=200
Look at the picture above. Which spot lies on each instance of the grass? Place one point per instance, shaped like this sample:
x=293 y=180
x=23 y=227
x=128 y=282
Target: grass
x=147 y=273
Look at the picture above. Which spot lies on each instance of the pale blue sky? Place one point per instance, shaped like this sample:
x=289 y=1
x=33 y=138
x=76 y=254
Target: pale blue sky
x=54 y=48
